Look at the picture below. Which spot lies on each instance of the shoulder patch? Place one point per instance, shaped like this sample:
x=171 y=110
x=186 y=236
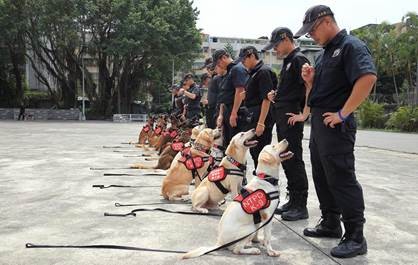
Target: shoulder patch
x=336 y=52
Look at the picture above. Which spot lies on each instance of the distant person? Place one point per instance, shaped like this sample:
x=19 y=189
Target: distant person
x=343 y=76
x=204 y=84
x=21 y=112
x=192 y=95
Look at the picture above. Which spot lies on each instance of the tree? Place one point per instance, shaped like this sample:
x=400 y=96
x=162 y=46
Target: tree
x=229 y=49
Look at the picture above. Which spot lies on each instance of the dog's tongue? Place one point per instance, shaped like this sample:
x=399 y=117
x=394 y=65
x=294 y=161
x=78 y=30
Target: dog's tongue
x=285 y=154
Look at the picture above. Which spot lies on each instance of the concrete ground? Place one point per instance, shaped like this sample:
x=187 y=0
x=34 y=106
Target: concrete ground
x=47 y=198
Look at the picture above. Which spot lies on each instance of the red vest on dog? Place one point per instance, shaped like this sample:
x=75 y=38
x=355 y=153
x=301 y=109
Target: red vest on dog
x=146 y=128
x=158 y=130
x=177 y=146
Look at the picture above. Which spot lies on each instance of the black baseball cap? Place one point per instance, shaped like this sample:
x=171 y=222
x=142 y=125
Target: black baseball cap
x=277 y=36
x=187 y=76
x=311 y=16
x=208 y=63
x=246 y=51
x=217 y=55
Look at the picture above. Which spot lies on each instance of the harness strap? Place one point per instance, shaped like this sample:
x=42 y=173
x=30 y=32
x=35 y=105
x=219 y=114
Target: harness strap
x=133 y=212
x=228 y=171
x=272 y=180
x=122 y=186
x=242 y=167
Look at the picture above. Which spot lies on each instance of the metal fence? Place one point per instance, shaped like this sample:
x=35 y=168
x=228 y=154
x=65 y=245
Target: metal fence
x=130 y=117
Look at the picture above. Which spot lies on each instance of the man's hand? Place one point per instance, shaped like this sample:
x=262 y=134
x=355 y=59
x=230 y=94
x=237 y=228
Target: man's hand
x=233 y=120
x=271 y=95
x=205 y=102
x=294 y=118
x=308 y=73
x=259 y=130
x=219 y=121
x=181 y=91
x=331 y=119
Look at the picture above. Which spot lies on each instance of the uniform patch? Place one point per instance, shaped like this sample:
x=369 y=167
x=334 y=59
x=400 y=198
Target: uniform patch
x=288 y=66
x=336 y=52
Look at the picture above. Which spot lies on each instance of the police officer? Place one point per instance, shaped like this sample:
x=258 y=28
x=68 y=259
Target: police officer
x=290 y=112
x=192 y=95
x=342 y=79
x=261 y=81
x=204 y=87
x=213 y=93
x=230 y=96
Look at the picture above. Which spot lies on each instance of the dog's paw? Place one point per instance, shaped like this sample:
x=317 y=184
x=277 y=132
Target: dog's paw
x=202 y=210
x=273 y=253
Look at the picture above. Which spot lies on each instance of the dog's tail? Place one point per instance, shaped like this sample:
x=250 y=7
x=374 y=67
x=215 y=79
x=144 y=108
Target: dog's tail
x=198 y=252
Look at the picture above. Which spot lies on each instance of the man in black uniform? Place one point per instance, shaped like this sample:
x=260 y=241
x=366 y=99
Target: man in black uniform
x=213 y=93
x=192 y=95
x=261 y=81
x=290 y=100
x=230 y=98
x=342 y=79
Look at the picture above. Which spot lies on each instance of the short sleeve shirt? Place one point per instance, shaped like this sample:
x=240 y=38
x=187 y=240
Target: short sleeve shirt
x=261 y=81
x=342 y=62
x=235 y=77
x=291 y=89
x=213 y=90
x=194 y=104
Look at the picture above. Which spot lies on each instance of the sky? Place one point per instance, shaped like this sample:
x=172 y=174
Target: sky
x=256 y=18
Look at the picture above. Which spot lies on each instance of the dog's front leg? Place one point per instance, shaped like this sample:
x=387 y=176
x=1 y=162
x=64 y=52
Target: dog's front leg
x=267 y=241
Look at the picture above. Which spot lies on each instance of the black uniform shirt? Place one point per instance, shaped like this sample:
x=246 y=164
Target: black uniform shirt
x=344 y=60
x=194 y=104
x=236 y=76
x=291 y=89
x=213 y=91
x=262 y=80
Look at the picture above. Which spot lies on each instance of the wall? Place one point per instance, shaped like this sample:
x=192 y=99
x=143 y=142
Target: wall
x=41 y=114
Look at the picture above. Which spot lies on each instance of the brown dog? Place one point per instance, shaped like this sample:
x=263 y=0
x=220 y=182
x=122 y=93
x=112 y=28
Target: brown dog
x=191 y=162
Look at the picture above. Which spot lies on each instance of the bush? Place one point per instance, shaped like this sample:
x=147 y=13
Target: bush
x=404 y=119
x=372 y=115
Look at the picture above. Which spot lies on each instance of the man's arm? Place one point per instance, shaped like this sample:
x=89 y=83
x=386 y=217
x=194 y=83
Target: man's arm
x=361 y=90
x=237 y=104
x=189 y=94
x=265 y=106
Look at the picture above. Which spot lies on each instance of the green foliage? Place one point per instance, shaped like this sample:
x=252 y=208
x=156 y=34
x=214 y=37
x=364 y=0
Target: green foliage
x=371 y=115
x=229 y=49
x=404 y=119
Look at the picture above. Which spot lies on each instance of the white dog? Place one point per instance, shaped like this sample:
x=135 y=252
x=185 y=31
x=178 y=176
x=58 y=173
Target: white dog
x=236 y=222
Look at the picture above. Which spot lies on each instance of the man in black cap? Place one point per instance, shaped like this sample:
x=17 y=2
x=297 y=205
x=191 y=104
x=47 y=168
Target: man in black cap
x=343 y=77
x=261 y=81
x=232 y=86
x=192 y=95
x=289 y=112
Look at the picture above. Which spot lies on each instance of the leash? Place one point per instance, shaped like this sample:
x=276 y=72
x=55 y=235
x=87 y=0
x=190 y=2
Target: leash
x=122 y=186
x=153 y=203
x=31 y=245
x=133 y=212
x=110 y=168
x=113 y=146
x=136 y=175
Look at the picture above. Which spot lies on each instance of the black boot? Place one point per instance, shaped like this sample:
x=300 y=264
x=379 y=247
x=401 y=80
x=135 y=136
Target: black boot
x=285 y=207
x=353 y=242
x=329 y=226
x=297 y=210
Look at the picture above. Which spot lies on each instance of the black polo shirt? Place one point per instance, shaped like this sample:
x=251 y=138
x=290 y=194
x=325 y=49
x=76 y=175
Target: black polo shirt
x=343 y=60
x=236 y=76
x=194 y=104
x=291 y=89
x=213 y=91
x=262 y=80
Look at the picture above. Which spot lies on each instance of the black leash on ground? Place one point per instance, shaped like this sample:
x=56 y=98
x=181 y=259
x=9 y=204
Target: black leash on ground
x=133 y=212
x=136 y=175
x=109 y=168
x=308 y=241
x=122 y=186
x=151 y=203
x=126 y=151
x=30 y=245
x=113 y=146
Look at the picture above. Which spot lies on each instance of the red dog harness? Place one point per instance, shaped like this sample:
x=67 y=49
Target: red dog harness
x=193 y=163
x=252 y=202
x=158 y=130
x=146 y=128
x=177 y=146
x=218 y=174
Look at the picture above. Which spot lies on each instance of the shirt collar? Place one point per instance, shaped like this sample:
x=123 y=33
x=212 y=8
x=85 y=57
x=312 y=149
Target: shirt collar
x=232 y=64
x=291 y=54
x=337 y=39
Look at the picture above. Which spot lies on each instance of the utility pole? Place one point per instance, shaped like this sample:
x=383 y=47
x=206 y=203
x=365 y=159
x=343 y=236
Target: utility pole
x=83 y=117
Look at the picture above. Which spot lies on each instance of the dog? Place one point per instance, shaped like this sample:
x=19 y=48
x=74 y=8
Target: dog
x=229 y=174
x=146 y=131
x=169 y=152
x=218 y=150
x=236 y=222
x=189 y=164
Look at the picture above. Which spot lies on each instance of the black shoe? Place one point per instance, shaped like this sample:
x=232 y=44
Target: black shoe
x=284 y=208
x=329 y=226
x=349 y=248
x=294 y=214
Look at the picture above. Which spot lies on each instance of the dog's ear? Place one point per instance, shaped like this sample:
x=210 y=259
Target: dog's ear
x=267 y=159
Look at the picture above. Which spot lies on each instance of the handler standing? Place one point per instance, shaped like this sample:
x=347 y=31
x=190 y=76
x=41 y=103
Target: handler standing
x=343 y=77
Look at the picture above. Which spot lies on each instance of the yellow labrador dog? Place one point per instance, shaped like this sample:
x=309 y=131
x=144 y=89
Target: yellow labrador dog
x=189 y=164
x=236 y=222
x=227 y=177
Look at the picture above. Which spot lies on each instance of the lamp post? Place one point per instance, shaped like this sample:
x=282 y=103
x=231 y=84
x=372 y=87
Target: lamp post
x=83 y=110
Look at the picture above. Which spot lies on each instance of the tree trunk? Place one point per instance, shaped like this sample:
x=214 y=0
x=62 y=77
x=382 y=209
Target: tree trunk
x=14 y=57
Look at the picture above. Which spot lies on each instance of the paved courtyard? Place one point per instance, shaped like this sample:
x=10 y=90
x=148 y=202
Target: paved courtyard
x=47 y=198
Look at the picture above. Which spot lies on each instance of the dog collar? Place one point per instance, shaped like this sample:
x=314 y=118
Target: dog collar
x=201 y=147
x=242 y=167
x=272 y=180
